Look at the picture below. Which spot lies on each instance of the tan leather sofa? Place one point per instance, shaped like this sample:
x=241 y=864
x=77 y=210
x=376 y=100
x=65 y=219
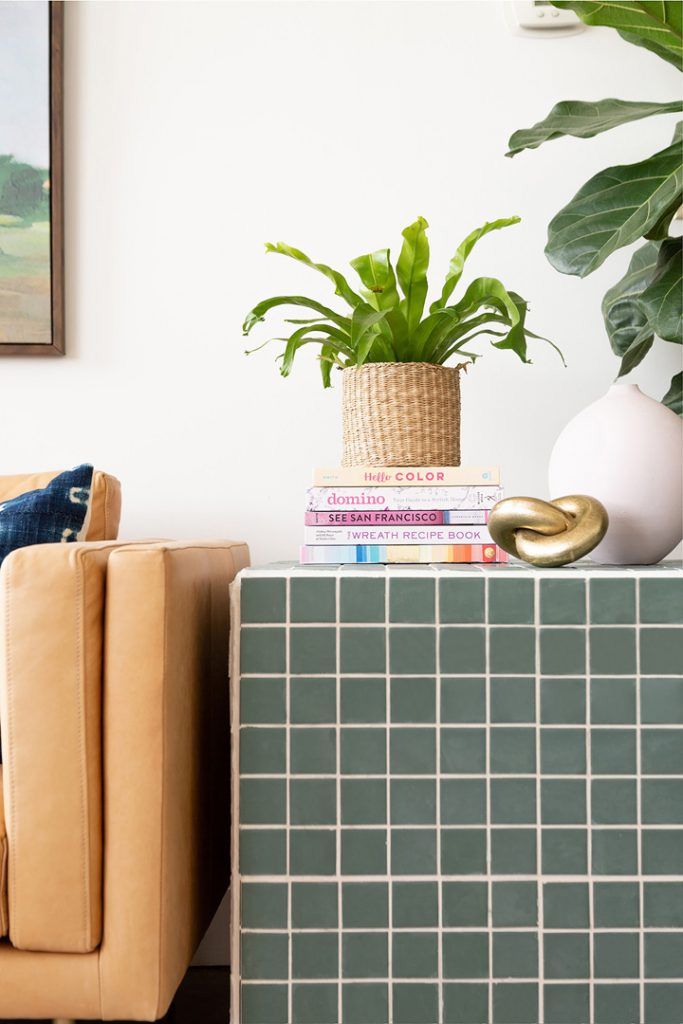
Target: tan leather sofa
x=114 y=808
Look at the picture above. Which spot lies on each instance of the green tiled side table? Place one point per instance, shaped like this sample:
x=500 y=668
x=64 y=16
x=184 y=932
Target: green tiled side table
x=458 y=795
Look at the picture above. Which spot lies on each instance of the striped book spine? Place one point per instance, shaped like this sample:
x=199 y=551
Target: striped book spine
x=393 y=517
x=382 y=554
x=397 y=535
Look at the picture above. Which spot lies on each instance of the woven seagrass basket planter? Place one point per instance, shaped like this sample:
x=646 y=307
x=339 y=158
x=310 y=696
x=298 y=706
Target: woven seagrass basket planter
x=401 y=414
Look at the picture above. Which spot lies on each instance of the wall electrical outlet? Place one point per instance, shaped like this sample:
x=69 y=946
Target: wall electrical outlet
x=541 y=17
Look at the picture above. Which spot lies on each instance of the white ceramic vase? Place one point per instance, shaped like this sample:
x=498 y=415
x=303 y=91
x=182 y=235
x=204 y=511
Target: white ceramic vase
x=627 y=451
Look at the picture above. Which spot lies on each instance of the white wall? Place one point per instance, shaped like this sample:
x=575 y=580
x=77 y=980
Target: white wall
x=197 y=131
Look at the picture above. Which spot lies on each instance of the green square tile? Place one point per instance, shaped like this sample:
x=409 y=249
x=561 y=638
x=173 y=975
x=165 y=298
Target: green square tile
x=563 y=851
x=313 y=701
x=415 y=904
x=513 y=650
x=563 y=801
x=663 y=1003
x=463 y=851
x=262 y=649
x=515 y=905
x=312 y=600
x=415 y=955
x=465 y=955
x=363 y=751
x=614 y=801
x=513 y=801
x=662 y=751
x=314 y=905
x=314 y=1004
x=312 y=852
x=365 y=955
x=263 y=905
x=513 y=699
x=461 y=600
x=361 y=600
x=662 y=852
x=262 y=851
x=466 y=1003
x=363 y=852
x=563 y=651
x=413 y=851
x=363 y=801
x=264 y=1004
x=613 y=751
x=663 y=905
x=511 y=601
x=313 y=751
x=363 y=700
x=313 y=801
x=661 y=701
x=315 y=955
x=366 y=1003
x=616 y=905
x=663 y=954
x=262 y=751
x=513 y=751
x=362 y=650
x=616 y=1004
x=563 y=751
x=464 y=904
x=413 y=700
x=513 y=851
x=662 y=801
x=661 y=600
x=413 y=802
x=612 y=601
x=613 y=701
x=563 y=602
x=566 y=955
x=515 y=1003
x=365 y=904
x=413 y=751
x=462 y=650
x=661 y=651
x=615 y=955
x=612 y=651
x=463 y=751
x=415 y=1003
x=615 y=852
x=563 y=701
x=412 y=650
x=262 y=600
x=566 y=1004
x=262 y=701
x=463 y=801
x=264 y=957
x=263 y=802
x=312 y=649
x=463 y=700
x=412 y=600
x=515 y=955
x=566 y=905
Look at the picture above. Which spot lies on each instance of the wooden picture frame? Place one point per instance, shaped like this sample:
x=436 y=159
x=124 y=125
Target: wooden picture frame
x=56 y=345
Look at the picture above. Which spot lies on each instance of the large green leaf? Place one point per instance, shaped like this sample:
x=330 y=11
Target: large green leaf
x=637 y=350
x=655 y=24
x=661 y=301
x=490 y=293
x=364 y=319
x=411 y=268
x=257 y=314
x=584 y=120
x=462 y=252
x=341 y=285
x=674 y=396
x=377 y=274
x=319 y=334
x=624 y=318
x=614 y=208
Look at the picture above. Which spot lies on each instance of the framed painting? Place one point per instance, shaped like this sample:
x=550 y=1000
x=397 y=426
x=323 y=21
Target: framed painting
x=31 y=179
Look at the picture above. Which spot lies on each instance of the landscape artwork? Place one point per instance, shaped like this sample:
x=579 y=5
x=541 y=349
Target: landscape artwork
x=30 y=179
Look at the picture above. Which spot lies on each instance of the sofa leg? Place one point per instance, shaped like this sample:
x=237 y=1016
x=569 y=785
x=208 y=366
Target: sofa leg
x=63 y=1020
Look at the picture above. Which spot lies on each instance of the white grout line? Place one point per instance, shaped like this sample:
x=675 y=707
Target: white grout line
x=489 y=830
x=389 y=879
x=589 y=813
x=288 y=809
x=337 y=600
x=439 y=878
x=639 y=817
x=539 y=830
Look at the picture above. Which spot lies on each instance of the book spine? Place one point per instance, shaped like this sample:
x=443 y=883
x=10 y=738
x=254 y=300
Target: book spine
x=377 y=518
x=418 y=535
x=369 y=499
x=382 y=554
x=405 y=476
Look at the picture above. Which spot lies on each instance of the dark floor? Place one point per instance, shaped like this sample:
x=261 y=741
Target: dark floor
x=203 y=998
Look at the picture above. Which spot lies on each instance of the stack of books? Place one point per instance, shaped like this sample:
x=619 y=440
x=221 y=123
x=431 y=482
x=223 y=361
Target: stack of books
x=401 y=514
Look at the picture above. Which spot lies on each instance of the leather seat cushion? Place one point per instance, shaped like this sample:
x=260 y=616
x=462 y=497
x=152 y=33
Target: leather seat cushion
x=4 y=923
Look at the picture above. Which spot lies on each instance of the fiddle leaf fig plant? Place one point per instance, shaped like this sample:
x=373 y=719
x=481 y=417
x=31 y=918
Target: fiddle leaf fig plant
x=386 y=321
x=627 y=202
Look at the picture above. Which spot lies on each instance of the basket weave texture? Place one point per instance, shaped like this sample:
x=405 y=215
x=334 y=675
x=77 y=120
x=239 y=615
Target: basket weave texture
x=401 y=414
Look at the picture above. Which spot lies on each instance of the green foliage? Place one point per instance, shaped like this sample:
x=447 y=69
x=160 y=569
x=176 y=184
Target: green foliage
x=387 y=325
x=21 y=191
x=622 y=204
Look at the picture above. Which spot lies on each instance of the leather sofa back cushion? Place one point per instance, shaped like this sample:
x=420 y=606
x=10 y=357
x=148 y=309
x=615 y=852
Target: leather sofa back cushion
x=105 y=503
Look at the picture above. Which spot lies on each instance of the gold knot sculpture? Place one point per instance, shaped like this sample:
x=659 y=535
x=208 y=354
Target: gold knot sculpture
x=548 y=533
